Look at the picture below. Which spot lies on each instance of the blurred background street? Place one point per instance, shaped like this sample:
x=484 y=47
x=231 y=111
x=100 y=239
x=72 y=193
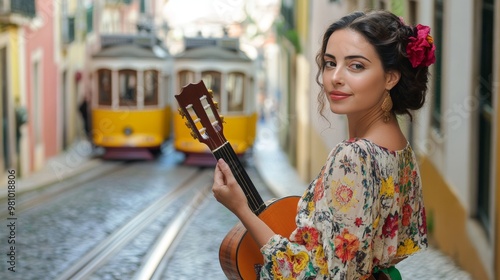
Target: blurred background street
x=102 y=178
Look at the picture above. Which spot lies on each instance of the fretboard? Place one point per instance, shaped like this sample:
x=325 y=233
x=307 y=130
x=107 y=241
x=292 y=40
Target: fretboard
x=227 y=153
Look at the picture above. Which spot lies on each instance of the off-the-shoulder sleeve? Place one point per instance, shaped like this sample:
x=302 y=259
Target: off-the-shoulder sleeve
x=335 y=220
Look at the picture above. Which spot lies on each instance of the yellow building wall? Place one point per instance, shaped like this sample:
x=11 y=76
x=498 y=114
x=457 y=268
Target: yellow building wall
x=447 y=218
x=14 y=83
x=302 y=19
x=13 y=53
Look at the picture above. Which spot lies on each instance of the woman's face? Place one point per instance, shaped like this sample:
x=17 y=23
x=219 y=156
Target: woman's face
x=353 y=76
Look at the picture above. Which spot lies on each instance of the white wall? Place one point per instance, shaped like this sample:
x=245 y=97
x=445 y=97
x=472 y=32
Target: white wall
x=450 y=150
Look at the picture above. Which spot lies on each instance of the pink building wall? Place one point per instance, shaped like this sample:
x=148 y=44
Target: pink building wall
x=39 y=38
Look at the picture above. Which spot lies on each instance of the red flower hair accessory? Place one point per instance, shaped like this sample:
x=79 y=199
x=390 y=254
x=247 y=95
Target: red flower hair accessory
x=421 y=49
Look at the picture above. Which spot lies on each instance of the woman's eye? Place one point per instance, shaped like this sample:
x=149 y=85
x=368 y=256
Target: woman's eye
x=357 y=66
x=330 y=64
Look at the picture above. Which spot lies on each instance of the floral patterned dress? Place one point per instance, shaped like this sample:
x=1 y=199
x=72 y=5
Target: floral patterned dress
x=364 y=210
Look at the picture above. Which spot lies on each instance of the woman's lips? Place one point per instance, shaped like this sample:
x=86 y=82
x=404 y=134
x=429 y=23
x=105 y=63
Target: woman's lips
x=338 y=95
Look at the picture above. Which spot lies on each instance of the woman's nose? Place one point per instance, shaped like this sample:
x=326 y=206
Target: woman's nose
x=337 y=76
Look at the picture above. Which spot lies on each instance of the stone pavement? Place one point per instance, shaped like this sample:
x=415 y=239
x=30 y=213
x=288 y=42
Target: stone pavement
x=77 y=159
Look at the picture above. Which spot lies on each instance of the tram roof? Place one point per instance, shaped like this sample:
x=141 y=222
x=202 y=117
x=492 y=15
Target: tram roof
x=131 y=46
x=132 y=51
x=213 y=52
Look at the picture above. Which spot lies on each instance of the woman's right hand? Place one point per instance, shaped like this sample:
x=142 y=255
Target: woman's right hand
x=226 y=189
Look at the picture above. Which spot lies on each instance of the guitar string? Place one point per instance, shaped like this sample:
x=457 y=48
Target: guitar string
x=227 y=151
x=229 y=154
x=251 y=196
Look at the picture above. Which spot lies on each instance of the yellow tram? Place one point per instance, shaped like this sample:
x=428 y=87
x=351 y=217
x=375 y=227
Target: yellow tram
x=130 y=105
x=230 y=74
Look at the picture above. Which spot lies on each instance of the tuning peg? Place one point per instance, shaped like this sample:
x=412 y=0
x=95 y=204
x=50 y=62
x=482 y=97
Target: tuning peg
x=194 y=135
x=216 y=105
x=211 y=93
x=222 y=119
x=181 y=112
x=188 y=124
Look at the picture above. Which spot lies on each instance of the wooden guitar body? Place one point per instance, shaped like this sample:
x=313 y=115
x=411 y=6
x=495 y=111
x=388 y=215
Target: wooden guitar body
x=239 y=255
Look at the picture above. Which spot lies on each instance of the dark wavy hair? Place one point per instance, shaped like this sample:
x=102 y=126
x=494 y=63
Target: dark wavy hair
x=389 y=36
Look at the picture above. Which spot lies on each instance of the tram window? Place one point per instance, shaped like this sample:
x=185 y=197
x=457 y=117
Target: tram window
x=212 y=80
x=235 y=88
x=127 y=87
x=151 y=87
x=185 y=77
x=104 y=86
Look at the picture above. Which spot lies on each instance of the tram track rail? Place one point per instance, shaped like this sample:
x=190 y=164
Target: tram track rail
x=107 y=248
x=151 y=267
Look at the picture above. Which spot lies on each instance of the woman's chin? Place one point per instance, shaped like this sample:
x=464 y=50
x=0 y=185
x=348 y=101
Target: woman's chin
x=337 y=110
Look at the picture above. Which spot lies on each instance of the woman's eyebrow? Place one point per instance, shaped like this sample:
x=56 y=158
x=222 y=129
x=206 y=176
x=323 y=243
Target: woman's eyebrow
x=349 y=57
x=329 y=56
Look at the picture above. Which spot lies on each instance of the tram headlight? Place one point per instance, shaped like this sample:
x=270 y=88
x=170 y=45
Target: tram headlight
x=127 y=131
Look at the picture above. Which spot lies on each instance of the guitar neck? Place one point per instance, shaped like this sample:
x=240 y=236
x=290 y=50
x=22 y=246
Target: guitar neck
x=227 y=153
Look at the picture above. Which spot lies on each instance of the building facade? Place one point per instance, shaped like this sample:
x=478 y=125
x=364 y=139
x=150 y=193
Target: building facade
x=14 y=17
x=39 y=74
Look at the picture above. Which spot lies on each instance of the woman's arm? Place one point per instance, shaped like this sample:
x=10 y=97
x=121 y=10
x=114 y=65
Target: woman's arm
x=227 y=191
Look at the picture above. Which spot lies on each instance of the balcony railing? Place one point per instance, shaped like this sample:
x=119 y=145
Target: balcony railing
x=17 y=12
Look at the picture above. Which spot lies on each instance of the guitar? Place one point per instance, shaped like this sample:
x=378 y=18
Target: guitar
x=239 y=255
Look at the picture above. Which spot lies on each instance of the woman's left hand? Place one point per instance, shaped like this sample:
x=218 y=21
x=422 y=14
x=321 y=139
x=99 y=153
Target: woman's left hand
x=226 y=189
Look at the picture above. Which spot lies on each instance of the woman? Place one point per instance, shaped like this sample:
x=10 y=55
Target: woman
x=364 y=212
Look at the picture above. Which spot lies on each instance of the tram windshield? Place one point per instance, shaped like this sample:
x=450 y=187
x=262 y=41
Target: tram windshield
x=104 y=86
x=151 y=87
x=185 y=77
x=235 y=86
x=127 y=87
x=212 y=80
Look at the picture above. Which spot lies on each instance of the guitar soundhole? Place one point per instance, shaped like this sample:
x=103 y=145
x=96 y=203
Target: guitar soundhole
x=257 y=268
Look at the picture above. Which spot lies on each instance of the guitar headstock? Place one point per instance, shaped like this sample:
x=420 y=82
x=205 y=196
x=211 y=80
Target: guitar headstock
x=199 y=109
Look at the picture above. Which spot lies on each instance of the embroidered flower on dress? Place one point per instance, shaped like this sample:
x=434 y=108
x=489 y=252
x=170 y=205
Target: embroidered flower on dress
x=348 y=165
x=289 y=262
x=387 y=188
x=407 y=211
x=321 y=260
x=390 y=226
x=307 y=236
x=344 y=194
x=421 y=49
x=408 y=247
x=358 y=222
x=299 y=261
x=319 y=189
x=346 y=246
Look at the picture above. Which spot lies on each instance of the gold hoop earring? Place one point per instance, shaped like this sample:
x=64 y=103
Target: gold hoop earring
x=387 y=107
